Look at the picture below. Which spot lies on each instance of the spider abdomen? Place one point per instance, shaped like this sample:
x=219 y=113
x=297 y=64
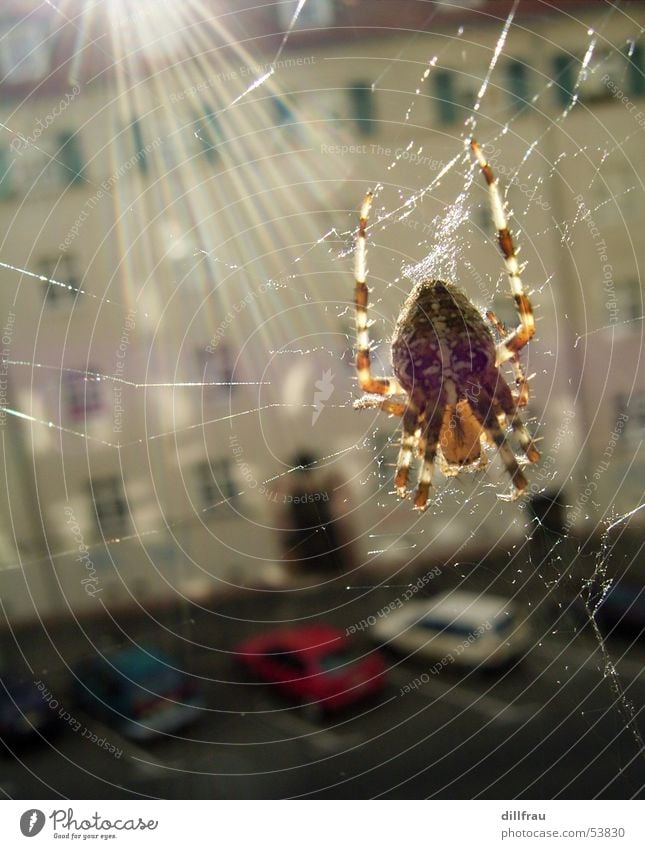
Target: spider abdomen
x=440 y=339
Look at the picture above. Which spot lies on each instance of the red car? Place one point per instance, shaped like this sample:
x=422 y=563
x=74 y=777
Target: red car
x=314 y=664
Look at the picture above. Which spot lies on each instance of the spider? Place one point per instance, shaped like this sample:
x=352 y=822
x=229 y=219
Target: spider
x=453 y=397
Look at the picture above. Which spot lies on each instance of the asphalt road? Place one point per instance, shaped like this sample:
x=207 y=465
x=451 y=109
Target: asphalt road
x=556 y=725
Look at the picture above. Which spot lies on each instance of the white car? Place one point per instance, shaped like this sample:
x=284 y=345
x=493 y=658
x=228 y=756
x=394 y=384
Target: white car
x=457 y=627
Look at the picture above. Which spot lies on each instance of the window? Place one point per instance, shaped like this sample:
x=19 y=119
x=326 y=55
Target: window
x=636 y=73
x=630 y=300
x=518 y=83
x=139 y=147
x=83 y=394
x=285 y=117
x=454 y=95
x=110 y=506
x=446 y=96
x=69 y=157
x=45 y=165
x=216 y=367
x=563 y=71
x=6 y=181
x=338 y=661
x=290 y=660
x=208 y=132
x=601 y=85
x=504 y=625
x=362 y=100
x=282 y=112
x=443 y=627
x=633 y=411
x=216 y=482
x=608 y=73
x=61 y=270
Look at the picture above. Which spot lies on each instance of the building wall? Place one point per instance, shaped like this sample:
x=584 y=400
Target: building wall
x=190 y=238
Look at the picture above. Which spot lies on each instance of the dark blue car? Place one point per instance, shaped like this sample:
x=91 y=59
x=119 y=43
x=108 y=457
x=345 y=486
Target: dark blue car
x=24 y=713
x=138 y=691
x=623 y=607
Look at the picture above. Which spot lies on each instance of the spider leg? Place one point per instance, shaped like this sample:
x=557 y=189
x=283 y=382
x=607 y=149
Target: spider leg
x=524 y=438
x=508 y=409
x=514 y=342
x=487 y=412
x=497 y=324
x=409 y=440
x=367 y=381
x=521 y=380
x=428 y=443
x=394 y=408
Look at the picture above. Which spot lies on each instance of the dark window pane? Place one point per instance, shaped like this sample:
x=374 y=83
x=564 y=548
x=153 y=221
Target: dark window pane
x=447 y=627
x=563 y=70
x=70 y=157
x=216 y=481
x=636 y=73
x=518 y=83
x=139 y=147
x=339 y=661
x=6 y=188
x=362 y=98
x=446 y=97
x=208 y=132
x=61 y=273
x=110 y=506
x=283 y=113
x=291 y=661
x=217 y=370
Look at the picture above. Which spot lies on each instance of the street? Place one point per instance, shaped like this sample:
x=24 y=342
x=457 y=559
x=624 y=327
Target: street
x=554 y=725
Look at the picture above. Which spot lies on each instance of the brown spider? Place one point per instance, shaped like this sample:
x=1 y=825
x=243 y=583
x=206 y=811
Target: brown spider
x=447 y=368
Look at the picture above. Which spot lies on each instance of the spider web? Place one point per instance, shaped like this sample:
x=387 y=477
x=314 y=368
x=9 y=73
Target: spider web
x=270 y=282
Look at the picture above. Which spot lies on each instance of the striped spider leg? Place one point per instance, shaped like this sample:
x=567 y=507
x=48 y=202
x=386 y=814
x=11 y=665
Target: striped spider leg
x=511 y=344
x=380 y=389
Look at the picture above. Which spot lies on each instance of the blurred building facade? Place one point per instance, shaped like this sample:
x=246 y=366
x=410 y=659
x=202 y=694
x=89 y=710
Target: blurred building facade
x=176 y=328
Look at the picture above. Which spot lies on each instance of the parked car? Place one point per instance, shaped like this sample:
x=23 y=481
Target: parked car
x=24 y=714
x=138 y=691
x=313 y=664
x=457 y=627
x=623 y=607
